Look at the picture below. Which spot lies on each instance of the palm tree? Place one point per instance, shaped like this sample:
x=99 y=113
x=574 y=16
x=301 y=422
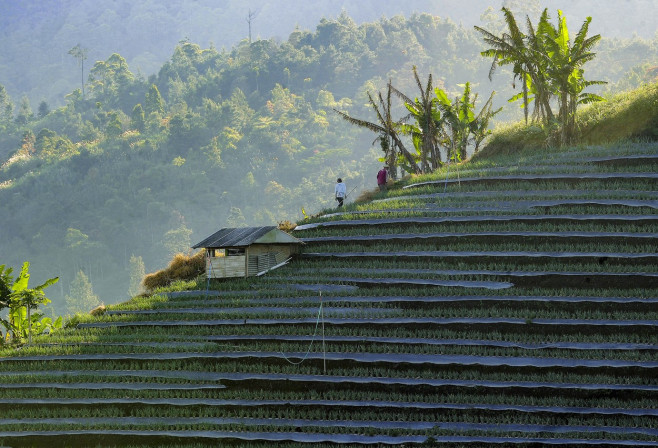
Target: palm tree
x=387 y=132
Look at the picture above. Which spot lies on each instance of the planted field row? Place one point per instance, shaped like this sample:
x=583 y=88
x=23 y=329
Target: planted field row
x=504 y=195
x=413 y=347
x=306 y=438
x=411 y=358
x=420 y=220
x=364 y=379
x=123 y=385
x=252 y=371
x=441 y=342
x=641 y=256
x=632 y=303
x=372 y=403
x=540 y=177
x=492 y=308
x=308 y=423
x=588 y=187
x=255 y=309
x=498 y=206
x=475 y=228
x=506 y=279
x=375 y=321
x=641 y=335
x=625 y=237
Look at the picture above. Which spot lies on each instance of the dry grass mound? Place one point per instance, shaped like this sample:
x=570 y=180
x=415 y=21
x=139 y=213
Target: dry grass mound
x=181 y=267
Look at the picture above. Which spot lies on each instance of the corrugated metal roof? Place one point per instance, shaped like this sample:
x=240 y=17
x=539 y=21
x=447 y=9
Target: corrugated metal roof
x=235 y=237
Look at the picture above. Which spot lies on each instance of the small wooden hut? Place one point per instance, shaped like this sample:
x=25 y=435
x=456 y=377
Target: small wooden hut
x=246 y=251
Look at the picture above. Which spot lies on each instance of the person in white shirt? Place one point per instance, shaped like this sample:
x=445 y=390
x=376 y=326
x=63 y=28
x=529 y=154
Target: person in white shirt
x=340 y=191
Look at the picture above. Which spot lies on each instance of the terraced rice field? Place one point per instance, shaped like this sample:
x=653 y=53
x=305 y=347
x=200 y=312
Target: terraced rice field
x=514 y=304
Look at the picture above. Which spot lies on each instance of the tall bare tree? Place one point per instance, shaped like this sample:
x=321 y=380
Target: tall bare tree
x=81 y=55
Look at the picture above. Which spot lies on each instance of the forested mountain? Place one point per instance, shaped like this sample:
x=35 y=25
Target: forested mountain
x=141 y=166
x=36 y=35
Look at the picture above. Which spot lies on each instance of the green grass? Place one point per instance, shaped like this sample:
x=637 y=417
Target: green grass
x=626 y=115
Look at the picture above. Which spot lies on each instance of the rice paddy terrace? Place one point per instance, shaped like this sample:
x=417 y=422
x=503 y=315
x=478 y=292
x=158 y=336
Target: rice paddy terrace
x=505 y=304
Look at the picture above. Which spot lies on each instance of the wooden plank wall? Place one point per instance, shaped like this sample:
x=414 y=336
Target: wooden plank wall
x=225 y=267
x=264 y=256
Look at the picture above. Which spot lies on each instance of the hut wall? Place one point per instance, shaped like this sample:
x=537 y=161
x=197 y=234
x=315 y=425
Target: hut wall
x=224 y=267
x=264 y=256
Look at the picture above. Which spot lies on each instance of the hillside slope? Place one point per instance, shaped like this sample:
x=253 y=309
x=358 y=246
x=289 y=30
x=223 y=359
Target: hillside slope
x=495 y=305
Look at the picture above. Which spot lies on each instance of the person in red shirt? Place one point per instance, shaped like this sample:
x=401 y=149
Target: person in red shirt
x=382 y=178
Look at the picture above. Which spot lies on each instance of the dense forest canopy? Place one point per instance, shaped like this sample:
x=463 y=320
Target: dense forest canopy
x=36 y=35
x=139 y=166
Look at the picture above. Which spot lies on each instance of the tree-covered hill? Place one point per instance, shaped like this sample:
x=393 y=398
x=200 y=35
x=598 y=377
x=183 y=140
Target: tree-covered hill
x=36 y=35
x=146 y=166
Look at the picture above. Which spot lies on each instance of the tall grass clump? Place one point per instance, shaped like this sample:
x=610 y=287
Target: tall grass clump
x=181 y=268
x=626 y=115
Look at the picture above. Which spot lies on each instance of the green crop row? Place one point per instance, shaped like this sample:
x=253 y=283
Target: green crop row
x=339 y=395
x=202 y=333
x=260 y=366
x=388 y=311
x=501 y=264
x=327 y=430
x=451 y=416
x=475 y=227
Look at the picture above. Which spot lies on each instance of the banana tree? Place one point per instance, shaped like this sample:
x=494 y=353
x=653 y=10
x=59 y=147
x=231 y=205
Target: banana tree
x=464 y=126
x=6 y=281
x=386 y=129
x=564 y=67
x=426 y=128
x=23 y=300
x=548 y=65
